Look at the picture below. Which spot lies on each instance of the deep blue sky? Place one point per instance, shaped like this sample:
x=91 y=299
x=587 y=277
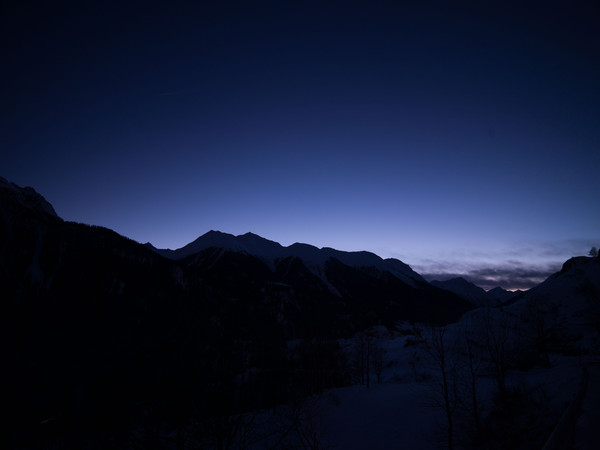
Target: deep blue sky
x=460 y=139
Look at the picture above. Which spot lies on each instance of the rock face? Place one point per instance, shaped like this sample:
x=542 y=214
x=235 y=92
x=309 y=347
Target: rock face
x=101 y=331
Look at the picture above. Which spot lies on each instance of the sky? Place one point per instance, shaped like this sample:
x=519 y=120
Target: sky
x=460 y=137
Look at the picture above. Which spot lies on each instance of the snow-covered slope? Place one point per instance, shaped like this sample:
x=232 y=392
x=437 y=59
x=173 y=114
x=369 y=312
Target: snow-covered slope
x=313 y=257
x=575 y=289
x=466 y=290
x=578 y=280
x=569 y=300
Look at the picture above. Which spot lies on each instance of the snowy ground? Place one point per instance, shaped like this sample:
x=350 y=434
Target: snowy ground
x=588 y=425
x=406 y=409
x=400 y=414
x=383 y=416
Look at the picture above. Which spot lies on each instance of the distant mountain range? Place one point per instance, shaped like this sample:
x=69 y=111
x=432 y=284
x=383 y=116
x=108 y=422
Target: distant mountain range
x=475 y=294
x=314 y=258
x=352 y=289
x=385 y=290
x=91 y=319
x=43 y=256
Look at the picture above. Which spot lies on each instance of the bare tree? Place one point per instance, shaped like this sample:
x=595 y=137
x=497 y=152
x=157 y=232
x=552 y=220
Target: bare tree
x=362 y=358
x=308 y=425
x=377 y=358
x=368 y=358
x=441 y=353
x=496 y=337
x=302 y=426
x=540 y=318
x=220 y=432
x=473 y=356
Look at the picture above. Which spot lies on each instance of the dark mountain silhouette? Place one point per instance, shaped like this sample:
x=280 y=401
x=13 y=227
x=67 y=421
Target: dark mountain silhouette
x=270 y=252
x=502 y=295
x=466 y=290
x=567 y=303
x=102 y=334
x=476 y=295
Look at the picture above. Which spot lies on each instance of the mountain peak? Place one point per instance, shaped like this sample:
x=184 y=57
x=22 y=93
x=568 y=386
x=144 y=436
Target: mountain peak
x=502 y=295
x=251 y=234
x=213 y=233
x=467 y=290
x=461 y=280
x=26 y=197
x=576 y=262
x=270 y=251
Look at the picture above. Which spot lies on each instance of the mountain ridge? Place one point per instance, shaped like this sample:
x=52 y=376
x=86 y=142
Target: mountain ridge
x=466 y=289
x=100 y=332
x=475 y=294
x=40 y=249
x=271 y=251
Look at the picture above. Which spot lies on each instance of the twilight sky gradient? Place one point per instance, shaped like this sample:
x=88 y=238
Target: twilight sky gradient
x=460 y=138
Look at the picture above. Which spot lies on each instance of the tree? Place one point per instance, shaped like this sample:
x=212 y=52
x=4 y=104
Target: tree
x=498 y=331
x=362 y=358
x=447 y=389
x=474 y=360
x=593 y=252
x=369 y=356
x=297 y=425
x=377 y=358
x=540 y=317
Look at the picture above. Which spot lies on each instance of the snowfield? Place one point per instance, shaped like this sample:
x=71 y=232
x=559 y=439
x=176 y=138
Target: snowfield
x=404 y=411
x=526 y=375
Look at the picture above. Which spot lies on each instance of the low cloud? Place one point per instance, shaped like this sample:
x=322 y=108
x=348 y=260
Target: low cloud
x=520 y=267
x=509 y=275
x=559 y=249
